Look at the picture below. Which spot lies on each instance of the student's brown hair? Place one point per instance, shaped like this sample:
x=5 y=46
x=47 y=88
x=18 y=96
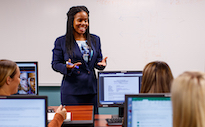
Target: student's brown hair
x=157 y=78
x=7 y=68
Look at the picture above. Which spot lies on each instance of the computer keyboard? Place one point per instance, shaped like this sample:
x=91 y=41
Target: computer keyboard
x=114 y=121
x=50 y=111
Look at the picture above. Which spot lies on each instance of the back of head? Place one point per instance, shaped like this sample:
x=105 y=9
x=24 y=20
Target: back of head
x=188 y=100
x=157 y=78
x=7 y=68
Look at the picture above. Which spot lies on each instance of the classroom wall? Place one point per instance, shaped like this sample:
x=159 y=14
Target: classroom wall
x=132 y=32
x=53 y=93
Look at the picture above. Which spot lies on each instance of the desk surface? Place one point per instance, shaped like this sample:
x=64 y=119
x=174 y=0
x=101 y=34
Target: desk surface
x=101 y=122
x=85 y=113
x=80 y=115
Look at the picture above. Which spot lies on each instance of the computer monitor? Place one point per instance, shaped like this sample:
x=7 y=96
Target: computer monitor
x=23 y=111
x=29 y=78
x=148 y=110
x=113 y=85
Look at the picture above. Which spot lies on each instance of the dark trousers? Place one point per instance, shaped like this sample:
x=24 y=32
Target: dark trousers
x=88 y=99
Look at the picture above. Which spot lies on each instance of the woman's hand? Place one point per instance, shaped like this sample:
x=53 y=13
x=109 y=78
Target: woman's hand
x=103 y=62
x=71 y=66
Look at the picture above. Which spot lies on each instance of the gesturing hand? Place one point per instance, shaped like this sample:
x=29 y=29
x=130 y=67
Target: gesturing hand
x=71 y=66
x=103 y=62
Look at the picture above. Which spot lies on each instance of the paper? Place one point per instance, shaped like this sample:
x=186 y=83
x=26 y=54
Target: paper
x=51 y=116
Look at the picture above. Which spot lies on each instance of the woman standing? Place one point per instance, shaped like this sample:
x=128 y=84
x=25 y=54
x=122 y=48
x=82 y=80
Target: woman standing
x=75 y=55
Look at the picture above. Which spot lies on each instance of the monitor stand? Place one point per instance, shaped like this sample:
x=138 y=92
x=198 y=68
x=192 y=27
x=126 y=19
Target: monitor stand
x=120 y=112
x=117 y=119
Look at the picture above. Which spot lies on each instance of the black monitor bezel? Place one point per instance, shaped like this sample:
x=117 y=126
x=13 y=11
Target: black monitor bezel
x=30 y=97
x=37 y=85
x=121 y=105
x=140 y=95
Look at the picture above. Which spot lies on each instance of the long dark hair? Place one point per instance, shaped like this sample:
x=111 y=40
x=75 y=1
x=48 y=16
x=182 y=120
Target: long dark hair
x=69 y=32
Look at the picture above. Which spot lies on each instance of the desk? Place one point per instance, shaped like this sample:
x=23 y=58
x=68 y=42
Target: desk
x=101 y=122
x=83 y=116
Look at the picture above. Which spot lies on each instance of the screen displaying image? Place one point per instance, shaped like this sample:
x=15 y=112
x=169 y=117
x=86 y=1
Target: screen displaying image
x=112 y=86
x=29 y=78
x=23 y=111
x=151 y=111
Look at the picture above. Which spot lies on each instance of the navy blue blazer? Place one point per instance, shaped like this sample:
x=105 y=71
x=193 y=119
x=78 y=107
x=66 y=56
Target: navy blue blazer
x=77 y=81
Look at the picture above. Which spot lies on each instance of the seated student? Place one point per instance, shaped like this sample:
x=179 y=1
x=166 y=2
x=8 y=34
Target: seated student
x=188 y=100
x=9 y=81
x=157 y=78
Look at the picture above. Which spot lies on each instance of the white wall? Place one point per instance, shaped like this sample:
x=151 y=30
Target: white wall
x=133 y=32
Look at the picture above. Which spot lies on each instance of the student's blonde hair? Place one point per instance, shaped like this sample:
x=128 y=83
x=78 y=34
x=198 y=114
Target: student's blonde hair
x=188 y=100
x=7 y=68
x=157 y=78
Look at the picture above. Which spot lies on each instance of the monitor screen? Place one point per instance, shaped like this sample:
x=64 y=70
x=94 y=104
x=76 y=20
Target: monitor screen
x=23 y=111
x=29 y=78
x=146 y=110
x=113 y=85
